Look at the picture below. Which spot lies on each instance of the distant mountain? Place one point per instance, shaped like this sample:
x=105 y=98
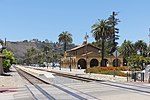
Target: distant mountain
x=20 y=47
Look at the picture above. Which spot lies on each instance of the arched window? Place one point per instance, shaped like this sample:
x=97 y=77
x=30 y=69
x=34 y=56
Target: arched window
x=93 y=62
x=82 y=64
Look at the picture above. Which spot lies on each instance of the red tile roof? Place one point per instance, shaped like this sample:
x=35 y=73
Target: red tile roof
x=81 y=46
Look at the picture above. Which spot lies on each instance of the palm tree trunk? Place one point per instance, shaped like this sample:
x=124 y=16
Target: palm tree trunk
x=102 y=61
x=65 y=46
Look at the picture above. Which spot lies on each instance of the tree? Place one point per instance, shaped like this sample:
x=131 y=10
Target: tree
x=1 y=42
x=137 y=61
x=127 y=48
x=141 y=46
x=8 y=59
x=46 y=52
x=101 y=32
x=112 y=44
x=106 y=46
x=65 y=38
x=33 y=56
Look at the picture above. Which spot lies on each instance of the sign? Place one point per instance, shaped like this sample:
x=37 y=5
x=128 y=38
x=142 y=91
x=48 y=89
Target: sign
x=116 y=53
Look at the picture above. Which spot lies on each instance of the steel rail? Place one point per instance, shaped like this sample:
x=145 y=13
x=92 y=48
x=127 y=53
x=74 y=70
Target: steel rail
x=101 y=81
x=47 y=94
x=36 y=86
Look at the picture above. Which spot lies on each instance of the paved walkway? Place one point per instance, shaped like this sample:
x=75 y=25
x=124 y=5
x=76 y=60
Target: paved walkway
x=12 y=87
x=81 y=72
x=11 y=79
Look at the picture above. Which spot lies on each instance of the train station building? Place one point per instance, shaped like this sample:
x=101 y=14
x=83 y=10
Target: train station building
x=87 y=55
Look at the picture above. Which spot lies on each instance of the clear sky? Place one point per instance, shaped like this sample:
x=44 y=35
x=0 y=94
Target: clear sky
x=46 y=19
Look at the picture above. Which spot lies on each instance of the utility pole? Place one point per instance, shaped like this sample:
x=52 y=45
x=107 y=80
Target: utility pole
x=149 y=44
x=86 y=52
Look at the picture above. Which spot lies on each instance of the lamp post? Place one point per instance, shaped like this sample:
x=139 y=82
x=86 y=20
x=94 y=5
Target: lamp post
x=85 y=40
x=46 y=59
x=53 y=58
x=70 y=63
x=60 y=65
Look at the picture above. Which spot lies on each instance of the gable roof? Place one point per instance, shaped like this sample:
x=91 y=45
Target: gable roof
x=81 y=46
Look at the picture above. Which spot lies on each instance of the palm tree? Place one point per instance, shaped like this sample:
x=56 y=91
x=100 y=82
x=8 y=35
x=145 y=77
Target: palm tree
x=127 y=48
x=141 y=46
x=65 y=38
x=101 y=32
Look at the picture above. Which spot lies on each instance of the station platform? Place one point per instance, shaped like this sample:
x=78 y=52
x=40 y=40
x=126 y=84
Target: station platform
x=82 y=73
x=12 y=87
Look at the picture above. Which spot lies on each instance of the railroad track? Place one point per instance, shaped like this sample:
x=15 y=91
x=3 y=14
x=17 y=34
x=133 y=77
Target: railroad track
x=35 y=81
x=66 y=89
x=132 y=87
x=31 y=78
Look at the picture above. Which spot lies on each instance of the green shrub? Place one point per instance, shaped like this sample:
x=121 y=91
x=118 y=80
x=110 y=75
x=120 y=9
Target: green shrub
x=8 y=59
x=7 y=65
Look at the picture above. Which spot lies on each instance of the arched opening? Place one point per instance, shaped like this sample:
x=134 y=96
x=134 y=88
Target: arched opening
x=93 y=62
x=81 y=64
x=116 y=63
x=104 y=62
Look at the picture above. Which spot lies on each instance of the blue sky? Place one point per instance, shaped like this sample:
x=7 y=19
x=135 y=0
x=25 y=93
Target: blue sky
x=46 y=19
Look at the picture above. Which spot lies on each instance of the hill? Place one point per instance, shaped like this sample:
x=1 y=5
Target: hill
x=20 y=48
